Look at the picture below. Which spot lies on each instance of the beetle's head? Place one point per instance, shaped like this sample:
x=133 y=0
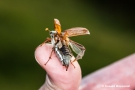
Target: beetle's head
x=52 y=33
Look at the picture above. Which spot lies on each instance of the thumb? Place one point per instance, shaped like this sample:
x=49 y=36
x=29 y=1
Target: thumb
x=57 y=76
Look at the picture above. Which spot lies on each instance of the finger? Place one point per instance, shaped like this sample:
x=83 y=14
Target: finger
x=121 y=73
x=57 y=73
x=42 y=54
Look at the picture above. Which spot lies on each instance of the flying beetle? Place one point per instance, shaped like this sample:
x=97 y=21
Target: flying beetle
x=62 y=44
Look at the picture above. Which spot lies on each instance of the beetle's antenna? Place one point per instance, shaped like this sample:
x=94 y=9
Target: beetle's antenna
x=46 y=29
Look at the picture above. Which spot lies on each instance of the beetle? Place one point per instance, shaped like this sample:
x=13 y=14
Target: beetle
x=61 y=43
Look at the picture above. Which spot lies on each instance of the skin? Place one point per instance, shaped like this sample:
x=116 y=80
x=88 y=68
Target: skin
x=57 y=76
x=121 y=72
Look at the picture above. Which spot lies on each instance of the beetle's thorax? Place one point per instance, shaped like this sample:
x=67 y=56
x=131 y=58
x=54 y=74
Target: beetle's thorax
x=52 y=34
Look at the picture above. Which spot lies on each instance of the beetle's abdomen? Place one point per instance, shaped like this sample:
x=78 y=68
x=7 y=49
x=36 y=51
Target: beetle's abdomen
x=65 y=50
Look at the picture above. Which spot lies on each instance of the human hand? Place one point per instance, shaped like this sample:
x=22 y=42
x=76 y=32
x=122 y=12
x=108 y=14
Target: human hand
x=120 y=73
x=57 y=77
x=117 y=76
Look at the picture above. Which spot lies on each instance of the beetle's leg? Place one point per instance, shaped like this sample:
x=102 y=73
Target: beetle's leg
x=72 y=64
x=46 y=41
x=74 y=60
x=49 y=56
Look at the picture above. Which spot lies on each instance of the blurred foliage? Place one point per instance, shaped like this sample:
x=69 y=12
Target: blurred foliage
x=22 y=24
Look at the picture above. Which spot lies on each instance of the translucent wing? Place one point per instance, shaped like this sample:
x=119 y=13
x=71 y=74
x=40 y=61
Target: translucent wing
x=57 y=26
x=76 y=31
x=77 y=48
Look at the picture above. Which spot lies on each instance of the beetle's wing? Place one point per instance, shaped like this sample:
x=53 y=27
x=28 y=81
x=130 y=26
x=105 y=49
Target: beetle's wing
x=77 y=48
x=57 y=26
x=76 y=31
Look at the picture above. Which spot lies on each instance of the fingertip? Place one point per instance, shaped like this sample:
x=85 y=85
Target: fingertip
x=42 y=52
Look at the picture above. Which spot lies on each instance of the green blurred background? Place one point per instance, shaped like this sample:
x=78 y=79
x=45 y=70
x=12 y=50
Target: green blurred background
x=22 y=24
